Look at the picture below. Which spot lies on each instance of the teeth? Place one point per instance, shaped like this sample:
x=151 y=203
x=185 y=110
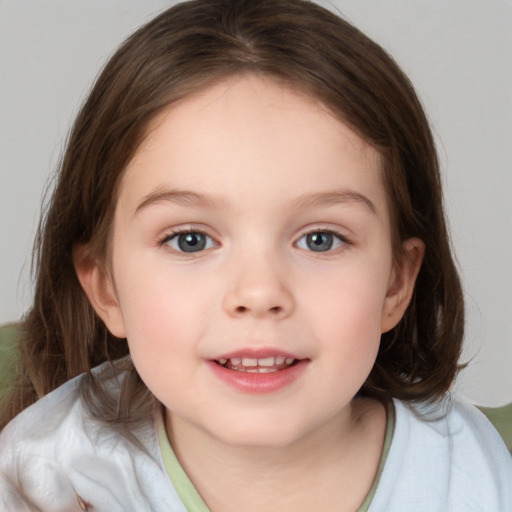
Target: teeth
x=260 y=370
x=262 y=365
x=267 y=361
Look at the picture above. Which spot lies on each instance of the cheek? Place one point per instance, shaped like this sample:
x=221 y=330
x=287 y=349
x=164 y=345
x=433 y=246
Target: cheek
x=346 y=313
x=354 y=294
x=165 y=308
x=350 y=339
x=162 y=332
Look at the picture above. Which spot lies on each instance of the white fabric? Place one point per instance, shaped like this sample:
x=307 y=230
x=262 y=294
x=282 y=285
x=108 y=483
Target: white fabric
x=55 y=452
x=454 y=462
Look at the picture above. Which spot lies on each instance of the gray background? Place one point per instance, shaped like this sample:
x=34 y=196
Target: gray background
x=458 y=53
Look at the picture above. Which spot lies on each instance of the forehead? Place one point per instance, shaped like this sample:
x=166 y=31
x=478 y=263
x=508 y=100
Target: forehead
x=248 y=127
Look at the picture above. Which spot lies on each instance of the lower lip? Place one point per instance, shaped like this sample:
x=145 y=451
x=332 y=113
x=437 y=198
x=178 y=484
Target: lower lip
x=259 y=383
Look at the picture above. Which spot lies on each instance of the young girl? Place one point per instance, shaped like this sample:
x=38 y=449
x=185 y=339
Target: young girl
x=245 y=298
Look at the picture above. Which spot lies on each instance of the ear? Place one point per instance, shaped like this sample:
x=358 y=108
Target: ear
x=401 y=284
x=99 y=288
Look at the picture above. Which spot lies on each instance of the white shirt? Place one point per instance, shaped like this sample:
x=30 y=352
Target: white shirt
x=455 y=463
x=64 y=460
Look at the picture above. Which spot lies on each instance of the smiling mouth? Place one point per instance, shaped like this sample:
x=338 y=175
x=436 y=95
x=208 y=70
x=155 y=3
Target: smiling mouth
x=257 y=365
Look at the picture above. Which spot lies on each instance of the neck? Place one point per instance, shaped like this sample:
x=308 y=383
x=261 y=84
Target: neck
x=330 y=468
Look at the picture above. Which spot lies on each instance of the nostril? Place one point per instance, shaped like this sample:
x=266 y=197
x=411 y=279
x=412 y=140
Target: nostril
x=274 y=310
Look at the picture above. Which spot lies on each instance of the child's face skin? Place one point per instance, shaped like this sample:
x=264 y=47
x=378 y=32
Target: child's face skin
x=255 y=168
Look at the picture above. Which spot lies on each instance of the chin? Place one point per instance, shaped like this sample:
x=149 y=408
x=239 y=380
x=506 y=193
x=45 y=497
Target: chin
x=257 y=434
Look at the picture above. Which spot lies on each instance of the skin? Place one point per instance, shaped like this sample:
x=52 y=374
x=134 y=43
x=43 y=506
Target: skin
x=255 y=167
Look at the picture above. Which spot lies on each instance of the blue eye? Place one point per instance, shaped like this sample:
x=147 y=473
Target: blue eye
x=320 y=241
x=190 y=241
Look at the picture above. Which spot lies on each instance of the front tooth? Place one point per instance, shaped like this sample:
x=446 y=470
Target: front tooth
x=268 y=361
x=246 y=361
x=236 y=360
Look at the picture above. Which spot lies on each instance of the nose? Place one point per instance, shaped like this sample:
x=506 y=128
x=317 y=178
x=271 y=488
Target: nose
x=258 y=290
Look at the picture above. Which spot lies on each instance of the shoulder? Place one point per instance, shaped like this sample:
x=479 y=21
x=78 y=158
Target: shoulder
x=446 y=457
x=61 y=410
x=55 y=454
x=41 y=421
x=30 y=442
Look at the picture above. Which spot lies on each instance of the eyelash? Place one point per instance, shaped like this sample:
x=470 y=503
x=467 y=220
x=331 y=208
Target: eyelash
x=328 y=231
x=176 y=233
x=345 y=241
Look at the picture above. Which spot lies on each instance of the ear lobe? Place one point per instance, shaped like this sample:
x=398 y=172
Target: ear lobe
x=98 y=287
x=401 y=285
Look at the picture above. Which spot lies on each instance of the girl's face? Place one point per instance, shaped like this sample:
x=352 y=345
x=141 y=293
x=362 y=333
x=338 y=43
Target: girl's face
x=252 y=268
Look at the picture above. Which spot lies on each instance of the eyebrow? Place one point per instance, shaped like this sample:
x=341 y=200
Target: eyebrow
x=181 y=197
x=332 y=198
x=189 y=198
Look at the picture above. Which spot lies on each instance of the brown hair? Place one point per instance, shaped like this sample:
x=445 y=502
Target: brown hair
x=183 y=50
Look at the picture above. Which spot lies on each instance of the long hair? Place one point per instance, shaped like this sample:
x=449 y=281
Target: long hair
x=183 y=50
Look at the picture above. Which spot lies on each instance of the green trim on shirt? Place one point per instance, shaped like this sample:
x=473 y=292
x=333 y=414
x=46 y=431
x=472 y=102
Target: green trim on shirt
x=184 y=487
x=390 y=428
x=193 y=501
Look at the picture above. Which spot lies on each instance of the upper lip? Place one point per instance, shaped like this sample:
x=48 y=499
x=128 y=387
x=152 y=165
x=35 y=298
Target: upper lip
x=256 y=353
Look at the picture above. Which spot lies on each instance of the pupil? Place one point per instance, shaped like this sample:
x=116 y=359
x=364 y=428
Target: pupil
x=319 y=241
x=192 y=242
